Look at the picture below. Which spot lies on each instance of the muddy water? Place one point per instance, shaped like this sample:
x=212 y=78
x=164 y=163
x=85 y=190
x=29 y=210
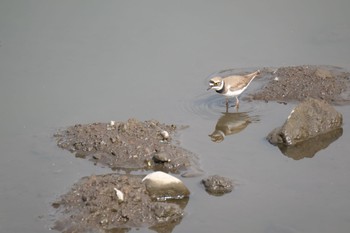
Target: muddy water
x=67 y=62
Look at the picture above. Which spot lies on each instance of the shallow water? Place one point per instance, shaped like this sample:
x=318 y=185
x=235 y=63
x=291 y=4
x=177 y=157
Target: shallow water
x=67 y=62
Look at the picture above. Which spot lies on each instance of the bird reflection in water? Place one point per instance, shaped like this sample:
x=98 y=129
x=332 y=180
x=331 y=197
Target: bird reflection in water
x=230 y=123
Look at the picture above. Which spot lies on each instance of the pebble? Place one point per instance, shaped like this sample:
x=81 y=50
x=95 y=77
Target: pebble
x=164 y=134
x=111 y=125
x=161 y=157
x=217 y=185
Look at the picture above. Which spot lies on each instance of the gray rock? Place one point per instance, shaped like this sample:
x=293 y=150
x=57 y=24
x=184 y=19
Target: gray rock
x=162 y=186
x=309 y=119
x=217 y=185
x=161 y=157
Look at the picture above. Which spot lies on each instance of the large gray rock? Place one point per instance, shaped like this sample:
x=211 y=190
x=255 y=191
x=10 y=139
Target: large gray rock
x=309 y=119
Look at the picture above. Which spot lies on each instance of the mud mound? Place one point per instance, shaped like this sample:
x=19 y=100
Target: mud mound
x=297 y=83
x=92 y=205
x=131 y=145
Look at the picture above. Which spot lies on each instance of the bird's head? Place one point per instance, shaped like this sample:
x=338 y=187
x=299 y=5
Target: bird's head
x=215 y=83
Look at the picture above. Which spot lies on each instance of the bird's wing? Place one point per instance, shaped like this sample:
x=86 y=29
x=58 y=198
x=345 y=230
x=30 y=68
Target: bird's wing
x=236 y=83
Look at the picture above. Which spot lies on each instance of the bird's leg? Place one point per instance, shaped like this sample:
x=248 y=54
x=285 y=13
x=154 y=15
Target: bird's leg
x=226 y=104
x=237 y=103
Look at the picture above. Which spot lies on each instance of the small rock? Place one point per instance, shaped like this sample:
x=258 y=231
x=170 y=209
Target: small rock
x=218 y=185
x=161 y=157
x=80 y=154
x=164 y=134
x=122 y=127
x=97 y=156
x=83 y=198
x=162 y=186
x=56 y=205
x=323 y=73
x=111 y=125
x=104 y=221
x=113 y=140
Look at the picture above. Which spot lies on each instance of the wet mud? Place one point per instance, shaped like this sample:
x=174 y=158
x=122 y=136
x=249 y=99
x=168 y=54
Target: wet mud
x=93 y=205
x=296 y=83
x=128 y=146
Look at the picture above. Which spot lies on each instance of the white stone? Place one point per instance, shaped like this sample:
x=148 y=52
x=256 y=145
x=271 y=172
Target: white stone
x=162 y=186
x=164 y=134
x=161 y=178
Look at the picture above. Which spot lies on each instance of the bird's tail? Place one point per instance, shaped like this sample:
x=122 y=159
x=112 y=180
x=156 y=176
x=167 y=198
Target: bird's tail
x=252 y=75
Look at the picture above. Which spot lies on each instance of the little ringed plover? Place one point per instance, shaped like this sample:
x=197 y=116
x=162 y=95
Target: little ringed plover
x=232 y=85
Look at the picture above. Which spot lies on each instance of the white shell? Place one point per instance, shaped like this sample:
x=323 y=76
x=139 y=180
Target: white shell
x=291 y=114
x=119 y=194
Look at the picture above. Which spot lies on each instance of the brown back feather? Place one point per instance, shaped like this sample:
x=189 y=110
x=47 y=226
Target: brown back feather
x=238 y=82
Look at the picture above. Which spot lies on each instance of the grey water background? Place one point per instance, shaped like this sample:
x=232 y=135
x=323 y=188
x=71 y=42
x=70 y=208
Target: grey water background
x=68 y=62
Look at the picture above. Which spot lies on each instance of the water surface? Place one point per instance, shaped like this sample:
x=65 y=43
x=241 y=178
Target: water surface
x=64 y=62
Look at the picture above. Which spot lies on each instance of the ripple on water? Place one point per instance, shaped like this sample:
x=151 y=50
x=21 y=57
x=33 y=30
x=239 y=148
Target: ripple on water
x=209 y=104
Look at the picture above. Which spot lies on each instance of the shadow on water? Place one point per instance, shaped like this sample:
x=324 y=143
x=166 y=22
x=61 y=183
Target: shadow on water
x=231 y=123
x=309 y=148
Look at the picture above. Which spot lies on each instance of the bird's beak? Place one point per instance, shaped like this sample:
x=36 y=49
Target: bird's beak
x=210 y=86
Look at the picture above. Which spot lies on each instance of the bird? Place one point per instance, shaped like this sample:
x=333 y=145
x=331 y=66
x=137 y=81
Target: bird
x=232 y=85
